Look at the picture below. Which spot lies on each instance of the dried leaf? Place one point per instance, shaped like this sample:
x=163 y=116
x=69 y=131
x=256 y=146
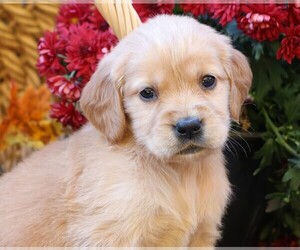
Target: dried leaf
x=27 y=119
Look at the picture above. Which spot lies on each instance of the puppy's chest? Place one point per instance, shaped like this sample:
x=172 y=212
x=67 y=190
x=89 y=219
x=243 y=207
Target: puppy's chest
x=154 y=208
x=183 y=201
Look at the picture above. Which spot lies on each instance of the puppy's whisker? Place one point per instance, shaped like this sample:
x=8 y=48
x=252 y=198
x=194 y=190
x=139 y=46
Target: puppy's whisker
x=229 y=150
x=233 y=147
x=238 y=144
x=238 y=134
x=233 y=125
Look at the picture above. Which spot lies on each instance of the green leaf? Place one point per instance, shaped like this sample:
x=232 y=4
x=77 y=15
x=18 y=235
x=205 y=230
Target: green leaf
x=292 y=175
x=261 y=81
x=274 y=195
x=266 y=231
x=178 y=10
x=276 y=73
x=295 y=183
x=265 y=153
x=257 y=50
x=274 y=204
x=288 y=175
x=232 y=30
x=292 y=108
x=295 y=202
x=290 y=222
x=275 y=45
x=295 y=162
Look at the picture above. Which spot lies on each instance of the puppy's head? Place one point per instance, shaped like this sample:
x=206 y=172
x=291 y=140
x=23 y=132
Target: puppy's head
x=174 y=83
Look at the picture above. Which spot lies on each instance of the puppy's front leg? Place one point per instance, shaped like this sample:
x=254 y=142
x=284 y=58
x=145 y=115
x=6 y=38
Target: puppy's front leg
x=128 y=224
x=157 y=229
x=206 y=235
x=166 y=231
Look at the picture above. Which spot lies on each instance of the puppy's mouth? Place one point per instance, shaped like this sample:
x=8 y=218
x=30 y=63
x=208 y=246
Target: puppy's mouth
x=191 y=149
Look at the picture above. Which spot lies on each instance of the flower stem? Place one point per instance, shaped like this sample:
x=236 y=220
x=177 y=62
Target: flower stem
x=280 y=139
x=72 y=74
x=61 y=56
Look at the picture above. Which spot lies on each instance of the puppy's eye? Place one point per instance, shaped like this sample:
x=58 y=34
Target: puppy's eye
x=148 y=94
x=208 y=82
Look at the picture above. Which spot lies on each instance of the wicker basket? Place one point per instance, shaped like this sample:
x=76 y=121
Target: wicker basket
x=120 y=15
x=21 y=25
x=20 y=28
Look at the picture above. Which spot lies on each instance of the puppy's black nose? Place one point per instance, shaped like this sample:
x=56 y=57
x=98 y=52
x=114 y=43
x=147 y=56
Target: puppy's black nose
x=188 y=128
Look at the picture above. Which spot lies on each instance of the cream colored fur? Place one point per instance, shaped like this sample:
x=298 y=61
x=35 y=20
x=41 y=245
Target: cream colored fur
x=119 y=180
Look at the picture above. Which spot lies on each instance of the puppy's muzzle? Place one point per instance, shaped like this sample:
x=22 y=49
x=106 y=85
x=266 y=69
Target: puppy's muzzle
x=188 y=128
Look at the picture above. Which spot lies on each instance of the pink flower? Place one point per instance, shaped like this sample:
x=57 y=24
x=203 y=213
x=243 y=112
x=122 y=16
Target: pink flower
x=86 y=47
x=262 y=21
x=195 y=9
x=224 y=12
x=97 y=20
x=146 y=11
x=49 y=63
x=294 y=13
x=66 y=113
x=64 y=88
x=72 y=14
x=290 y=45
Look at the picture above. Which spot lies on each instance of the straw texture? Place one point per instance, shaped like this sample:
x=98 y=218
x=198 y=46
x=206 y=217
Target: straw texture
x=120 y=15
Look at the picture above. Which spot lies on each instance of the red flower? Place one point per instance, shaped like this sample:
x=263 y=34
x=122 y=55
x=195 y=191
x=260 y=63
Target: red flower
x=290 y=45
x=48 y=62
x=294 y=13
x=86 y=47
x=72 y=14
x=262 y=21
x=62 y=87
x=66 y=113
x=284 y=241
x=146 y=11
x=195 y=9
x=98 y=21
x=224 y=12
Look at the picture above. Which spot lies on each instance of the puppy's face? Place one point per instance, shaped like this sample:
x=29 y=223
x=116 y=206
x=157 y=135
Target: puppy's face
x=178 y=104
x=172 y=82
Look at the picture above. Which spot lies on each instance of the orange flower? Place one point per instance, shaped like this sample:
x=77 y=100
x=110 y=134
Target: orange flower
x=28 y=115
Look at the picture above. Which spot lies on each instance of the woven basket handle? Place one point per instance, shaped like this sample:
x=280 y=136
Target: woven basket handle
x=120 y=15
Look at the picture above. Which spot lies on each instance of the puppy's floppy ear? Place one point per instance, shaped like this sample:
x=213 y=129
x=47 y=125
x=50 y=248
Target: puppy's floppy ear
x=240 y=82
x=101 y=99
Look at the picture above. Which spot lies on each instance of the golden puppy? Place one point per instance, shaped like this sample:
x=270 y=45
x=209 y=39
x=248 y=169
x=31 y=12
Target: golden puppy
x=148 y=170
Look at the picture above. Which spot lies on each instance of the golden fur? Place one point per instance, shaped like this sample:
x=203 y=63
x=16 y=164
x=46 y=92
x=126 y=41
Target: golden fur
x=119 y=180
